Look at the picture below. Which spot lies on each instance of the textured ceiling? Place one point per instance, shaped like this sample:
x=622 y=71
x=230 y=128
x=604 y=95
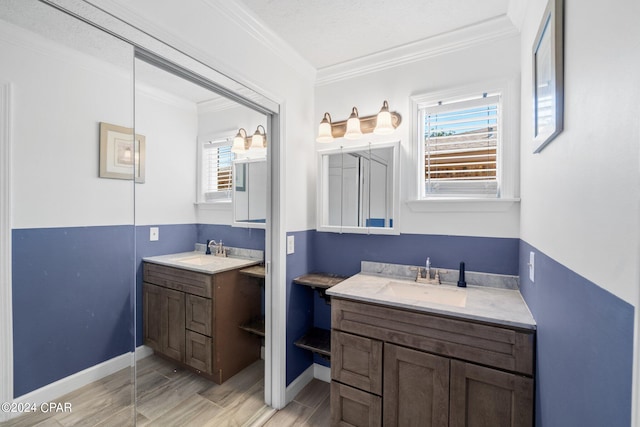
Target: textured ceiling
x=329 y=32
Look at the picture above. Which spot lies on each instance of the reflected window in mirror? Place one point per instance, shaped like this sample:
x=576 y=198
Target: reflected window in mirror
x=216 y=170
x=358 y=189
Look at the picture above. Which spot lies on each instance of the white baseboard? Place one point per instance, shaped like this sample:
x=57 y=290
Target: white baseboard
x=322 y=373
x=53 y=391
x=298 y=384
x=317 y=371
x=143 y=351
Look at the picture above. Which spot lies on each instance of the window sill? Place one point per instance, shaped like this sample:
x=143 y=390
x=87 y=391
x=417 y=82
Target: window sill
x=217 y=205
x=462 y=205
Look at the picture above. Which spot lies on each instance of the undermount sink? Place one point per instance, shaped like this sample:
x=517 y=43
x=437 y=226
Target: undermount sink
x=199 y=259
x=425 y=293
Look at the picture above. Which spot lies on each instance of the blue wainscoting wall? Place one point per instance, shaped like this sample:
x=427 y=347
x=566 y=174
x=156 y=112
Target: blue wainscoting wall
x=72 y=302
x=299 y=304
x=72 y=292
x=584 y=346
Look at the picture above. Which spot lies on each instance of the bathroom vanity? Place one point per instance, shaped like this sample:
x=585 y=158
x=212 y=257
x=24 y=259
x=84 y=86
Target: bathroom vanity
x=430 y=355
x=193 y=307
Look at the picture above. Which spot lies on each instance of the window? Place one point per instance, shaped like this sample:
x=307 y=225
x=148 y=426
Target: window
x=216 y=161
x=461 y=143
x=466 y=148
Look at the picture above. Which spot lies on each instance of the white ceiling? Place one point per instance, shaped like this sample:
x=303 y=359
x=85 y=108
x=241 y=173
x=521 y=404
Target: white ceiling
x=329 y=32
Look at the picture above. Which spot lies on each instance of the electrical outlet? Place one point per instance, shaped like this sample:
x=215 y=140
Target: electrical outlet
x=291 y=241
x=532 y=266
x=154 y=234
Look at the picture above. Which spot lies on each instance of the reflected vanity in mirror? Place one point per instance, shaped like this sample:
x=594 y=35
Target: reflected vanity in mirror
x=358 y=189
x=250 y=193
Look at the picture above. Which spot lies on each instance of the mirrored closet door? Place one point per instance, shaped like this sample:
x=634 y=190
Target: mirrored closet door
x=69 y=353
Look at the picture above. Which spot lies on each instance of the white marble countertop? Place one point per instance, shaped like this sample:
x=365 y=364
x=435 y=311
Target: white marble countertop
x=482 y=303
x=201 y=263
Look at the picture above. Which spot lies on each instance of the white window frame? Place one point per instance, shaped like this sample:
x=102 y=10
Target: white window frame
x=218 y=139
x=508 y=148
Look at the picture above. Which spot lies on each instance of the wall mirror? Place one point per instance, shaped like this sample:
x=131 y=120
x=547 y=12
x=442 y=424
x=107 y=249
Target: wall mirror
x=358 y=189
x=250 y=193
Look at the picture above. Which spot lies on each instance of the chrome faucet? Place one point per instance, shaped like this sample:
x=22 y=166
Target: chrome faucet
x=424 y=274
x=220 y=249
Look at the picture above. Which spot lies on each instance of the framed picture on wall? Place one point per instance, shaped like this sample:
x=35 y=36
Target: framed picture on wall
x=548 y=76
x=121 y=156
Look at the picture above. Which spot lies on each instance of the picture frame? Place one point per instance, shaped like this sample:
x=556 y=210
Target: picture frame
x=548 y=76
x=121 y=156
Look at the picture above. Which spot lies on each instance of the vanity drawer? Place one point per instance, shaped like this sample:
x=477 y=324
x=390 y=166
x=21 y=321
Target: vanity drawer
x=198 y=351
x=356 y=361
x=495 y=346
x=353 y=407
x=178 y=279
x=198 y=313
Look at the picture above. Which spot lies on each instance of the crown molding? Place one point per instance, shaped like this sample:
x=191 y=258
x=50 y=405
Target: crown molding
x=487 y=31
x=238 y=14
x=244 y=18
x=166 y=98
x=517 y=12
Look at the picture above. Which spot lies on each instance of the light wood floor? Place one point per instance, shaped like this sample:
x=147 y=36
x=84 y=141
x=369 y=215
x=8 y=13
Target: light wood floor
x=171 y=396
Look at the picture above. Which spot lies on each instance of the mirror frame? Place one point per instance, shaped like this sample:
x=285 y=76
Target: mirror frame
x=323 y=190
x=235 y=222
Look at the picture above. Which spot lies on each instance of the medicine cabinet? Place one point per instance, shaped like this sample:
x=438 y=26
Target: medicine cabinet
x=250 y=193
x=358 y=189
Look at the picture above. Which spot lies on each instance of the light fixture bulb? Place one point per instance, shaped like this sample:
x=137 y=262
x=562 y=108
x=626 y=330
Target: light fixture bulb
x=384 y=126
x=258 y=140
x=240 y=142
x=324 y=130
x=353 y=125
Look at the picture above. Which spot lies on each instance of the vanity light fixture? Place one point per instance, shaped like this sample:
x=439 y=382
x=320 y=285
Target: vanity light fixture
x=259 y=139
x=242 y=142
x=383 y=123
x=353 y=125
x=324 y=131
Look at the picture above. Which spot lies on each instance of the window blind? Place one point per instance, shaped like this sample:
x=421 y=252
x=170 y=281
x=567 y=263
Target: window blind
x=217 y=168
x=461 y=141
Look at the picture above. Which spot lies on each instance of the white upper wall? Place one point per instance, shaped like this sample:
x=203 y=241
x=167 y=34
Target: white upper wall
x=580 y=195
x=59 y=98
x=170 y=127
x=222 y=35
x=498 y=59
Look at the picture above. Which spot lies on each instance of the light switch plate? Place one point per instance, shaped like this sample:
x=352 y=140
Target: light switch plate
x=291 y=241
x=154 y=234
x=532 y=266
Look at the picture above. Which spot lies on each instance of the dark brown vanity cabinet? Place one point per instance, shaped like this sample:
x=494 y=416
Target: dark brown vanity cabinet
x=393 y=367
x=195 y=318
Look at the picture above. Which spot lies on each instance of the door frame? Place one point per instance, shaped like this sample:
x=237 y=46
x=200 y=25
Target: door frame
x=6 y=313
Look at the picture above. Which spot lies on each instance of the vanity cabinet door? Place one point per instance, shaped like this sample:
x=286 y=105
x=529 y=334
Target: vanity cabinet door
x=416 y=388
x=173 y=324
x=483 y=396
x=164 y=320
x=152 y=309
